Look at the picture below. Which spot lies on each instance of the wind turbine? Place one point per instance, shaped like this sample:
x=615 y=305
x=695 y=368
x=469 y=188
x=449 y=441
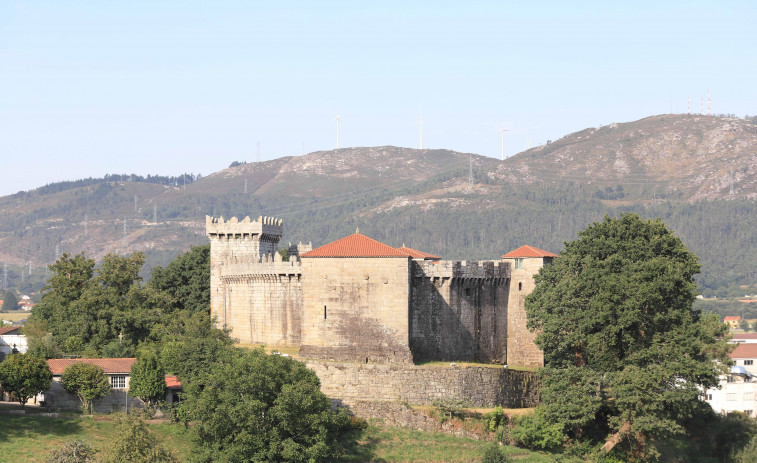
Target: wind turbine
x=337 y=131
x=502 y=140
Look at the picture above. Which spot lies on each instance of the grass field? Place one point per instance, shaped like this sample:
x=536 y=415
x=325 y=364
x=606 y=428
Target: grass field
x=30 y=439
x=14 y=316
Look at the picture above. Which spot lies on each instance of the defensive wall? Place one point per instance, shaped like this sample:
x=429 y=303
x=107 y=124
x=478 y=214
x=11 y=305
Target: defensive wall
x=480 y=386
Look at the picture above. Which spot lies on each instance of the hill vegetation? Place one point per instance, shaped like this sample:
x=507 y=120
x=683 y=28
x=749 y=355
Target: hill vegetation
x=696 y=173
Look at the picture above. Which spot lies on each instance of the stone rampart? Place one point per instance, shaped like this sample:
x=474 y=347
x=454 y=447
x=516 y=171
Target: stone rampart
x=480 y=386
x=462 y=269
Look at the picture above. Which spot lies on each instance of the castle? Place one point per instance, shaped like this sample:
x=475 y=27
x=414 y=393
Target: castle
x=359 y=300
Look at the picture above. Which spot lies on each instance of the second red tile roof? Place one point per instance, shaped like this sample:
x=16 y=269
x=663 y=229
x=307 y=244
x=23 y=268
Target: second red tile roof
x=416 y=254
x=528 y=251
x=744 y=351
x=356 y=245
x=110 y=366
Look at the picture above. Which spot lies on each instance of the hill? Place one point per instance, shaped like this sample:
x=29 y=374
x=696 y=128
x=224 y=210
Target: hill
x=678 y=167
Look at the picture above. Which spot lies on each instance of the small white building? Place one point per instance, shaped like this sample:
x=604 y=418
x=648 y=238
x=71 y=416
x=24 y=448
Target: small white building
x=738 y=389
x=746 y=338
x=11 y=341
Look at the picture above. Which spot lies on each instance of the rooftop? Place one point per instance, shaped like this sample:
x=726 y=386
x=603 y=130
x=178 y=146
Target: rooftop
x=528 y=251
x=744 y=351
x=110 y=365
x=732 y=318
x=8 y=329
x=356 y=245
x=416 y=254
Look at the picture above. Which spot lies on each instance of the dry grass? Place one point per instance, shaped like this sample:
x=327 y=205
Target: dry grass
x=14 y=316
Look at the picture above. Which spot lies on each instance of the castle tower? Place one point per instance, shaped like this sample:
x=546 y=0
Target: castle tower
x=525 y=262
x=252 y=291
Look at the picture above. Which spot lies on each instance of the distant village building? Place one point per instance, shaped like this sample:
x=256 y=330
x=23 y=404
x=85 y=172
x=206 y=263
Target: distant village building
x=732 y=321
x=738 y=389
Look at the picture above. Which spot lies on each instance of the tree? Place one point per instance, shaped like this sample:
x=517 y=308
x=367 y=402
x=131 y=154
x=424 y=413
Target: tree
x=133 y=443
x=25 y=376
x=625 y=352
x=87 y=381
x=148 y=379
x=264 y=408
x=186 y=280
x=744 y=325
x=10 y=302
x=494 y=454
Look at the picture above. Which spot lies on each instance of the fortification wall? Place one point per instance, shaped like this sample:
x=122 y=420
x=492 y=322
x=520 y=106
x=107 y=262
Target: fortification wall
x=356 y=309
x=459 y=311
x=521 y=349
x=480 y=386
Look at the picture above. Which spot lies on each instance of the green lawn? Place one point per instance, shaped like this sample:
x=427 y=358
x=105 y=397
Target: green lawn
x=30 y=439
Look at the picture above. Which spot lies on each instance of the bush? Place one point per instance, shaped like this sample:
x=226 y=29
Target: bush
x=748 y=454
x=494 y=454
x=133 y=442
x=75 y=451
x=450 y=407
x=533 y=432
x=495 y=419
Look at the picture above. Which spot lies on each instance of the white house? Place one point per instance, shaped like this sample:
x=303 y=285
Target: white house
x=738 y=389
x=746 y=338
x=11 y=341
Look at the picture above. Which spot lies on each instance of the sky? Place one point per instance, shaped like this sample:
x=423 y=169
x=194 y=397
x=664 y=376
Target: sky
x=89 y=88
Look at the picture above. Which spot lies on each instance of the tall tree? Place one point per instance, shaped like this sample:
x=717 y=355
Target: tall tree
x=10 y=301
x=148 y=379
x=186 y=280
x=25 y=376
x=625 y=352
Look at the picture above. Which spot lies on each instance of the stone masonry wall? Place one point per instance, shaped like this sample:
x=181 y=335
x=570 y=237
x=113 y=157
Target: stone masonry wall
x=57 y=398
x=356 y=309
x=263 y=302
x=481 y=386
x=459 y=311
x=521 y=349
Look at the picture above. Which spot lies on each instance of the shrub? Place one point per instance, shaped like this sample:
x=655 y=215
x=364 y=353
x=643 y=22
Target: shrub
x=748 y=454
x=494 y=454
x=495 y=419
x=133 y=442
x=450 y=407
x=75 y=451
x=533 y=432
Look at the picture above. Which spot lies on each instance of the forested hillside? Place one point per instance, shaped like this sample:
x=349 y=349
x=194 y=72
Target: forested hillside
x=696 y=173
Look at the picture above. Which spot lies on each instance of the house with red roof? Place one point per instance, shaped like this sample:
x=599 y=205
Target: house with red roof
x=732 y=321
x=118 y=371
x=738 y=388
x=358 y=299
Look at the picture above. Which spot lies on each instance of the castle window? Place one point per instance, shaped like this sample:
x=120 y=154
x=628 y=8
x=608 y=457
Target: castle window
x=324 y=312
x=519 y=263
x=467 y=291
x=520 y=286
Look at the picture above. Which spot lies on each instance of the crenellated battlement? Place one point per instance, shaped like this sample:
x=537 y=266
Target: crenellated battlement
x=216 y=227
x=262 y=269
x=485 y=269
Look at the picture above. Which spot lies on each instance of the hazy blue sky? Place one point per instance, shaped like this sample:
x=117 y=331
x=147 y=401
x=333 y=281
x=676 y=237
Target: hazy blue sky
x=165 y=87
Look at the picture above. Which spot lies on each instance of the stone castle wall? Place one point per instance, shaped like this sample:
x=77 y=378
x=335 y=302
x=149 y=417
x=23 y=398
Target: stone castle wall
x=458 y=311
x=356 y=309
x=480 y=386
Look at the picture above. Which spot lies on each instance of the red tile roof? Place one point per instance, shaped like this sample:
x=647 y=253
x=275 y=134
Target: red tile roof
x=8 y=329
x=744 y=351
x=356 y=245
x=111 y=366
x=738 y=336
x=172 y=382
x=416 y=254
x=528 y=251
x=732 y=318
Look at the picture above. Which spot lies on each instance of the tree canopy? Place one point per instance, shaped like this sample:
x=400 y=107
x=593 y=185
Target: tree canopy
x=147 y=380
x=625 y=352
x=25 y=376
x=87 y=381
x=264 y=408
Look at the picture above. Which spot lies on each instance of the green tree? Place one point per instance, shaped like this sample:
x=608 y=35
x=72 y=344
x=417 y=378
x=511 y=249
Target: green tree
x=148 y=381
x=10 y=301
x=625 y=353
x=25 y=376
x=744 y=325
x=186 y=280
x=494 y=454
x=133 y=443
x=263 y=408
x=87 y=381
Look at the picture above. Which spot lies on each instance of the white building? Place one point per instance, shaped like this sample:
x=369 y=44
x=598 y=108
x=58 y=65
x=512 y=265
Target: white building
x=746 y=338
x=11 y=341
x=738 y=390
